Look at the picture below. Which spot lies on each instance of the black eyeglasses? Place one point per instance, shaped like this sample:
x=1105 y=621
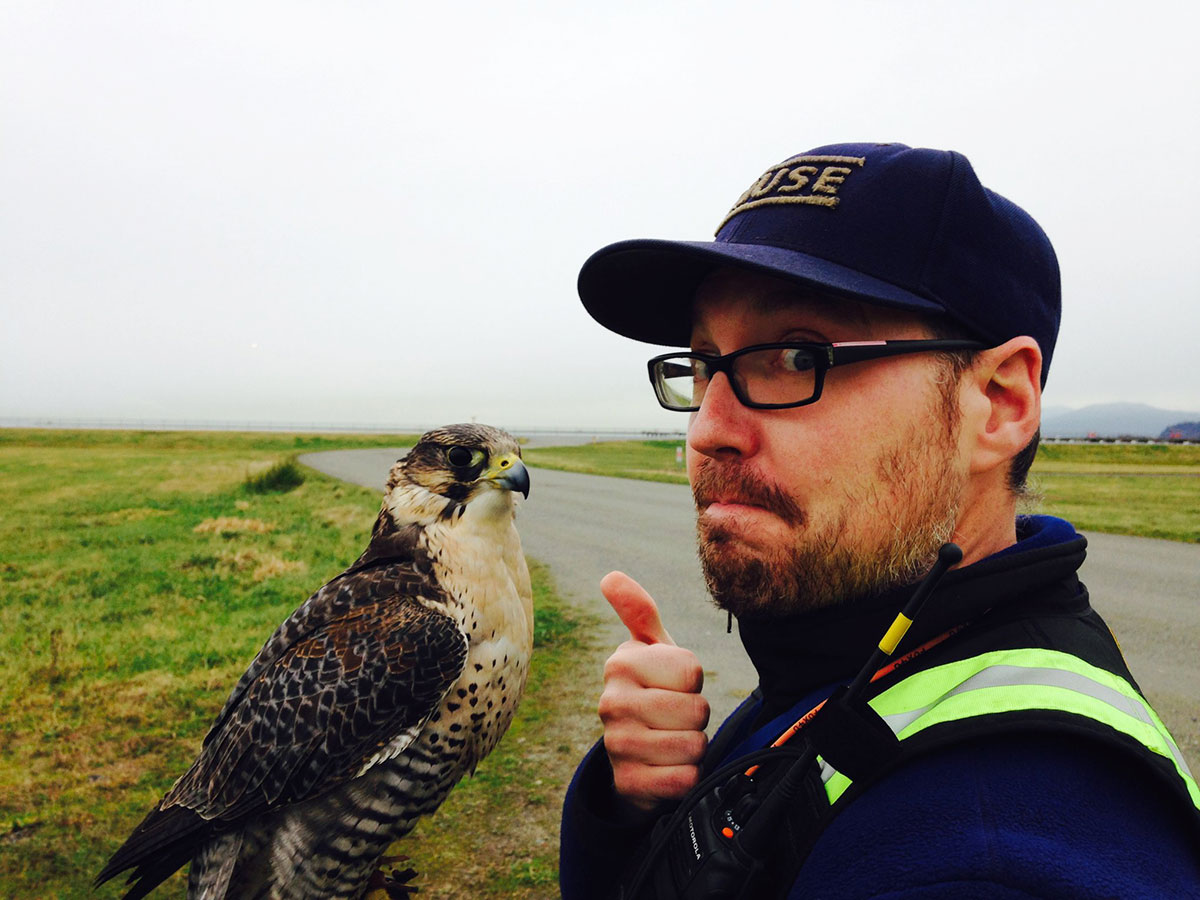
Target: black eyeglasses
x=772 y=376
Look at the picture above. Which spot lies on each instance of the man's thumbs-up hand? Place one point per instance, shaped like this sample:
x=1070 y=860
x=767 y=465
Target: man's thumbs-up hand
x=654 y=715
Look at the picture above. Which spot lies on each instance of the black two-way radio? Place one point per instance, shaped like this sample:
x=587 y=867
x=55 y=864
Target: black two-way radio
x=716 y=843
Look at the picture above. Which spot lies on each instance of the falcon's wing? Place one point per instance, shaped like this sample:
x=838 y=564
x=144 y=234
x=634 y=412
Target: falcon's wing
x=311 y=718
x=394 y=564
x=324 y=708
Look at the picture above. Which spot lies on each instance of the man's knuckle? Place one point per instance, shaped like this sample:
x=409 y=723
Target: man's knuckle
x=626 y=743
x=616 y=666
x=609 y=706
x=685 y=746
x=625 y=780
x=680 y=780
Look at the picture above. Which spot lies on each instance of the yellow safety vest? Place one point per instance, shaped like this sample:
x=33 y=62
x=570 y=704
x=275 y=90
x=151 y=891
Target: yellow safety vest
x=1029 y=680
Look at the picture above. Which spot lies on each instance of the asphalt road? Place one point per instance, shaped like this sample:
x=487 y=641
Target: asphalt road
x=583 y=526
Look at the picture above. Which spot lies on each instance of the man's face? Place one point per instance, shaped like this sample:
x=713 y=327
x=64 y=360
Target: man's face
x=802 y=508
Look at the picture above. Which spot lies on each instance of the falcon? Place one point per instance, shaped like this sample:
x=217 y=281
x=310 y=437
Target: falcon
x=370 y=702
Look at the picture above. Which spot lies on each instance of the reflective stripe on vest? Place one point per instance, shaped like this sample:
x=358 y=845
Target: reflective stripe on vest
x=1015 y=681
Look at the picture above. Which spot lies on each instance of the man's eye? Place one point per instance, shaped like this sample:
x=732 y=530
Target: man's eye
x=797 y=360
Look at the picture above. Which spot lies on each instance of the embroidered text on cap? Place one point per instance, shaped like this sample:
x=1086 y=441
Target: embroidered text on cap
x=812 y=180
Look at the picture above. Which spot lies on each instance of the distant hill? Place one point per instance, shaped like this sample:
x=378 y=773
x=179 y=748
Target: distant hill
x=1112 y=420
x=1189 y=431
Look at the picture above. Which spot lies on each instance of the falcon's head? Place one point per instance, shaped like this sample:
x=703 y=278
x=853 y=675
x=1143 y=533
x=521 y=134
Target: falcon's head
x=462 y=462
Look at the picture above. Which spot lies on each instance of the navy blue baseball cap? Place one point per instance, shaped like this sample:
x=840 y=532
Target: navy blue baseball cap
x=885 y=224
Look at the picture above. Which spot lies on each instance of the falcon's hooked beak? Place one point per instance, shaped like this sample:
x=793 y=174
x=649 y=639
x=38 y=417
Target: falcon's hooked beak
x=508 y=472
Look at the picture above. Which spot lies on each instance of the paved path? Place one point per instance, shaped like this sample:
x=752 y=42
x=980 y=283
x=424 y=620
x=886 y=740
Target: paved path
x=583 y=526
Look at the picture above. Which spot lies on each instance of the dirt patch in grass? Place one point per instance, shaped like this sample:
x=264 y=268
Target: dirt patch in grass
x=339 y=516
x=207 y=477
x=233 y=525
x=124 y=516
x=261 y=565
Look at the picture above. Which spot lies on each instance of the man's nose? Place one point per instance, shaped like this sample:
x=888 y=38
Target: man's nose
x=722 y=428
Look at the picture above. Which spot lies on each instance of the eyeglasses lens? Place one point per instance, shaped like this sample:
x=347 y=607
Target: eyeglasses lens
x=768 y=376
x=681 y=381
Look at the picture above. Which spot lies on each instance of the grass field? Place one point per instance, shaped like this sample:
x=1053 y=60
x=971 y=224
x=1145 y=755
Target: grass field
x=1152 y=491
x=139 y=574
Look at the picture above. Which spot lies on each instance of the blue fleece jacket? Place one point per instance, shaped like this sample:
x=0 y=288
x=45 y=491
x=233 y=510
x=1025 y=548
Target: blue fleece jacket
x=1016 y=817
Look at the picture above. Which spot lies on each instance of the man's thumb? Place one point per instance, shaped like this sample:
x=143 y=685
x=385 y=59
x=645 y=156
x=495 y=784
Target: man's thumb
x=636 y=607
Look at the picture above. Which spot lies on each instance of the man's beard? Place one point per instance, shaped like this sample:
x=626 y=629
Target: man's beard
x=917 y=491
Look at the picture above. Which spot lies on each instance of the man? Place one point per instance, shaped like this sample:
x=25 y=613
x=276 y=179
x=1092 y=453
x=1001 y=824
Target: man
x=1006 y=751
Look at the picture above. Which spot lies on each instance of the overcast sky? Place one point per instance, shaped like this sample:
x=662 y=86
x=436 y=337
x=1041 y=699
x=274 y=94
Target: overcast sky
x=375 y=212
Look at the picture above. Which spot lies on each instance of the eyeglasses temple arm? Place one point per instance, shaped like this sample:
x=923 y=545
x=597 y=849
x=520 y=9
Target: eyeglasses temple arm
x=860 y=351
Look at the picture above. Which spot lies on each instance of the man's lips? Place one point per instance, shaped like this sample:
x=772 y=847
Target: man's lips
x=731 y=503
x=727 y=491
x=731 y=519
x=736 y=514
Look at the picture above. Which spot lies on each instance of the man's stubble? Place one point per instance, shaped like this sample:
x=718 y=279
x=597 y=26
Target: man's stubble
x=901 y=517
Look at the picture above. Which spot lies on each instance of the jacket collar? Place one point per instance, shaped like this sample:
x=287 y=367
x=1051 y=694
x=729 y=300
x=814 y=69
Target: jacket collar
x=794 y=655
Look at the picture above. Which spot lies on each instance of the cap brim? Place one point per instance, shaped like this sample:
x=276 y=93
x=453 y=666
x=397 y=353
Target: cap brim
x=643 y=289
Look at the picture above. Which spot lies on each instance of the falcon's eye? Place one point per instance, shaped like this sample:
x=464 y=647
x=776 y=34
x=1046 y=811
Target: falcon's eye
x=459 y=457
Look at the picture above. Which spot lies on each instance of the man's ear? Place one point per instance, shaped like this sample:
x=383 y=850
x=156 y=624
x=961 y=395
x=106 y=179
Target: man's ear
x=1004 y=403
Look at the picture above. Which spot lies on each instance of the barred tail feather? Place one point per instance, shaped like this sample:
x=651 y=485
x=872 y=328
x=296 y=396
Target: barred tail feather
x=212 y=867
